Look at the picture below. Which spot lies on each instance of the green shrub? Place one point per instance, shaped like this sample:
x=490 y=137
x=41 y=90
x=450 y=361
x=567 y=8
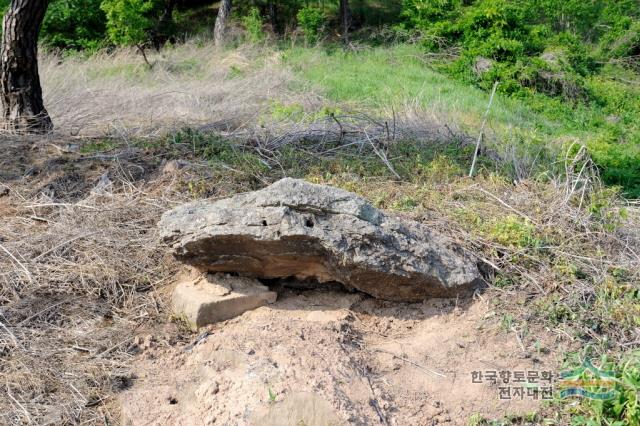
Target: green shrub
x=425 y=13
x=542 y=51
x=514 y=231
x=253 y=25
x=74 y=24
x=540 y=45
x=127 y=20
x=619 y=164
x=623 y=41
x=311 y=19
x=522 y=53
x=71 y=24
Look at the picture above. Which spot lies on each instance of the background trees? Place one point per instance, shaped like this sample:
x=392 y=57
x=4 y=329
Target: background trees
x=493 y=28
x=548 y=47
x=128 y=23
x=75 y=24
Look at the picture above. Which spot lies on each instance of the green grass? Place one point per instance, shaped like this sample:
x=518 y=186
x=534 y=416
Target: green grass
x=137 y=72
x=382 y=77
x=621 y=410
x=92 y=147
x=413 y=161
x=396 y=78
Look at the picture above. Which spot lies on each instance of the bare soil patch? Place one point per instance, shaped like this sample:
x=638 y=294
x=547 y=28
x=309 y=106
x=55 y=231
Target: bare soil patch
x=321 y=357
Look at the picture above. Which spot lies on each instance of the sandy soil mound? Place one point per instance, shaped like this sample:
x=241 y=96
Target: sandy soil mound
x=324 y=357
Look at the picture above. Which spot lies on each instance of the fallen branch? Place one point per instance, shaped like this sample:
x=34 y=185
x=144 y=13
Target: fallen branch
x=383 y=157
x=5 y=328
x=48 y=308
x=107 y=351
x=24 y=410
x=513 y=209
x=78 y=237
x=32 y=206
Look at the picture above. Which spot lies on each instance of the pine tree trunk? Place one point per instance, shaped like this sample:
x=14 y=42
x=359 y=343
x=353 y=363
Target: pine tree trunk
x=272 y=13
x=219 y=31
x=22 y=105
x=345 y=20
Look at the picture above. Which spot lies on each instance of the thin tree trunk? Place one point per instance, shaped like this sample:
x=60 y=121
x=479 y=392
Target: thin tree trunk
x=167 y=14
x=144 y=55
x=272 y=13
x=345 y=20
x=219 y=31
x=22 y=106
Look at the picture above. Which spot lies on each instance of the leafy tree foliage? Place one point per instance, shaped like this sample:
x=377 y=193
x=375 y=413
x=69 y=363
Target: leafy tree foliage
x=311 y=20
x=253 y=24
x=127 y=20
x=75 y=24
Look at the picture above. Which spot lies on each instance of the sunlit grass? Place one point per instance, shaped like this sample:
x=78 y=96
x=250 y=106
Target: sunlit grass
x=382 y=78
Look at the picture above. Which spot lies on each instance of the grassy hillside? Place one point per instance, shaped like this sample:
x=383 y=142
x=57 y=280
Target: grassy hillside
x=400 y=77
x=567 y=70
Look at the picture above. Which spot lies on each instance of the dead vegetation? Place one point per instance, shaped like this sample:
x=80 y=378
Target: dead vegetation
x=246 y=94
x=78 y=266
x=116 y=94
x=564 y=253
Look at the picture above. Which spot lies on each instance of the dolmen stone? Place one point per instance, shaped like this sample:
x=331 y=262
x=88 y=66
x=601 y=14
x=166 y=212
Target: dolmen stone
x=296 y=229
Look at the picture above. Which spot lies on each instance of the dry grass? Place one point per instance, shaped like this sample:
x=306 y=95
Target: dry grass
x=231 y=92
x=78 y=264
x=192 y=85
x=82 y=275
x=563 y=257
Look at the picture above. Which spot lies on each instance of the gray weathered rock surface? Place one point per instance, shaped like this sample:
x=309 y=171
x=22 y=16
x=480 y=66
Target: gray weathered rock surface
x=297 y=229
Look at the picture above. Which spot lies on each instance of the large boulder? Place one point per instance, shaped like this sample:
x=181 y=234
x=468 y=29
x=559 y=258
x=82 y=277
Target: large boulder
x=297 y=229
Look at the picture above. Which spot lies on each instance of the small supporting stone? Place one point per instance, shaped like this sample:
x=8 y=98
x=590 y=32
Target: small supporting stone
x=213 y=298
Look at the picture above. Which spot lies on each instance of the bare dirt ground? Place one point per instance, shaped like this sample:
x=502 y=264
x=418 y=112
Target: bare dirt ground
x=323 y=357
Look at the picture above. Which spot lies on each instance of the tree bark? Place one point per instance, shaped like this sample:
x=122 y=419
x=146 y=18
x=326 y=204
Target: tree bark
x=219 y=31
x=345 y=20
x=22 y=105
